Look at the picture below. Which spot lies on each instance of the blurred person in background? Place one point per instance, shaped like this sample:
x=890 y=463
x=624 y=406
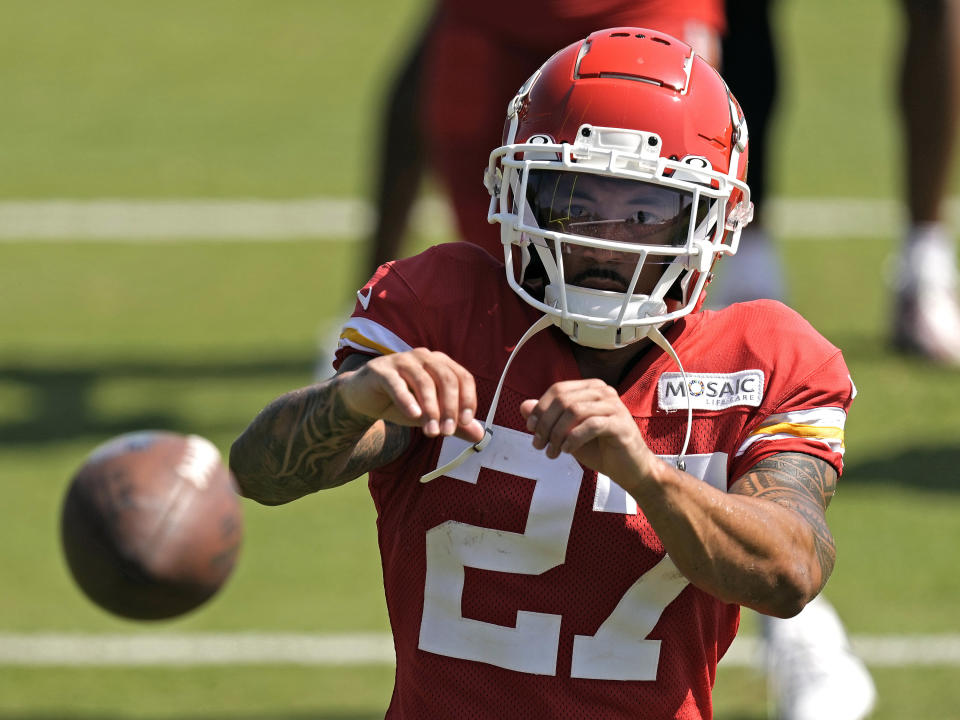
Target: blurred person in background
x=813 y=673
x=609 y=580
x=443 y=110
x=926 y=314
x=750 y=67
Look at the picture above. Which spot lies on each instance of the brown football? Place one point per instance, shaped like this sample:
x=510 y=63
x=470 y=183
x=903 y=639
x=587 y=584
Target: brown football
x=151 y=524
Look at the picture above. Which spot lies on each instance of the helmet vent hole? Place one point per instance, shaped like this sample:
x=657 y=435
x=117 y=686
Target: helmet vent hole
x=620 y=34
x=660 y=40
x=640 y=36
x=625 y=76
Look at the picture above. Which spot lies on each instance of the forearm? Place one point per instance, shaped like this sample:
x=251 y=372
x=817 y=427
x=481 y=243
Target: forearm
x=300 y=443
x=741 y=549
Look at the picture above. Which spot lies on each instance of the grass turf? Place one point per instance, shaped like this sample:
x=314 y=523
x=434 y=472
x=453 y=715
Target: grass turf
x=107 y=98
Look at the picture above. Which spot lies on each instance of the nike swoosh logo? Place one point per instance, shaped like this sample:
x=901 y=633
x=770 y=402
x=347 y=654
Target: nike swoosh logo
x=364 y=299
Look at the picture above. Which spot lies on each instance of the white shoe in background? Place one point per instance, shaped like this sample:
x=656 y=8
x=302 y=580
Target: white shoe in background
x=754 y=272
x=927 y=313
x=811 y=669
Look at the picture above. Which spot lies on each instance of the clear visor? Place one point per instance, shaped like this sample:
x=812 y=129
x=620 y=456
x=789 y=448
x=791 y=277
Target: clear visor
x=616 y=210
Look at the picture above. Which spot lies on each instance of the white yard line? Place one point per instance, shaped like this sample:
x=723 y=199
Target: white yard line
x=349 y=219
x=326 y=218
x=195 y=649
x=161 y=220
x=162 y=649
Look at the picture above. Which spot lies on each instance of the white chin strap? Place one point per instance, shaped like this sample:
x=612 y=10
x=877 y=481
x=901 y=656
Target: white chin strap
x=544 y=322
x=602 y=305
x=665 y=345
x=613 y=312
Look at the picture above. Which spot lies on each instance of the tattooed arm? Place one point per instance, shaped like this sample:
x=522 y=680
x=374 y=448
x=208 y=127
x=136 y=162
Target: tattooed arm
x=803 y=484
x=329 y=433
x=308 y=440
x=764 y=544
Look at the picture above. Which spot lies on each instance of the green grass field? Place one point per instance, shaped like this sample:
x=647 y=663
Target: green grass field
x=247 y=99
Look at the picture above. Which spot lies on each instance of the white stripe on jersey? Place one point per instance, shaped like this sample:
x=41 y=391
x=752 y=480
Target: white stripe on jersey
x=367 y=335
x=822 y=425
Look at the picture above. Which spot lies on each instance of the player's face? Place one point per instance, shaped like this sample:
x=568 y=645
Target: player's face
x=623 y=211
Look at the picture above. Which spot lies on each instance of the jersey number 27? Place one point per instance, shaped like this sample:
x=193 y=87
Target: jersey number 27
x=618 y=650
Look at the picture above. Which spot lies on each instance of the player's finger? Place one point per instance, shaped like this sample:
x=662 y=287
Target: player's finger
x=558 y=392
x=543 y=416
x=584 y=432
x=471 y=432
x=400 y=394
x=468 y=397
x=423 y=387
x=575 y=414
x=379 y=382
x=527 y=408
x=457 y=397
x=447 y=383
x=556 y=401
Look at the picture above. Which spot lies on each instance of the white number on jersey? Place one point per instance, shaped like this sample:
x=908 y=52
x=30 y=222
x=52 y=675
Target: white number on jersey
x=618 y=651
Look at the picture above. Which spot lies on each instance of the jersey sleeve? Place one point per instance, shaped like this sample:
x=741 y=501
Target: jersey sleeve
x=806 y=414
x=443 y=299
x=387 y=317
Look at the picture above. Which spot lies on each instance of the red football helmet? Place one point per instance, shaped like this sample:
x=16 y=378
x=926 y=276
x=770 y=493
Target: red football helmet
x=623 y=168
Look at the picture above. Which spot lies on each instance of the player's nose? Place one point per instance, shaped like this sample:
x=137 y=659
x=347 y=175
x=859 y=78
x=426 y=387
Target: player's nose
x=597 y=254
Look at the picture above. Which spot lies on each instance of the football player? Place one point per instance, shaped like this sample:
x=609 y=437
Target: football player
x=643 y=468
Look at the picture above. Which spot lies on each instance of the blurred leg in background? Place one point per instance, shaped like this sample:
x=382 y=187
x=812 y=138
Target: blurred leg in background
x=399 y=171
x=750 y=68
x=927 y=317
x=476 y=60
x=811 y=670
x=400 y=161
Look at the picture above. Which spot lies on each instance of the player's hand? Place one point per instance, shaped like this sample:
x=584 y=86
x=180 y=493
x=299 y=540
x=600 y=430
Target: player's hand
x=587 y=419
x=418 y=388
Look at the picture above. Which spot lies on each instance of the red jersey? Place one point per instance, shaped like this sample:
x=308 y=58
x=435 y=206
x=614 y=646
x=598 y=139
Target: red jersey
x=524 y=587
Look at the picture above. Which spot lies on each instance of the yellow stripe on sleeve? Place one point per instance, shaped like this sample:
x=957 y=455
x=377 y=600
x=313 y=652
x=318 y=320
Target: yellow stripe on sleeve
x=811 y=431
x=356 y=338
